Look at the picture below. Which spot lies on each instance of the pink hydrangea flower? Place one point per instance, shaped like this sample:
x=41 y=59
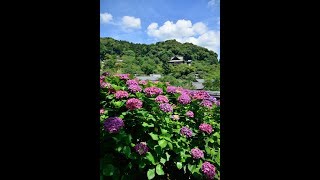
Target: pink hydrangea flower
x=208 y=170
x=162 y=99
x=123 y=76
x=197 y=153
x=184 y=99
x=190 y=114
x=171 y=89
x=101 y=111
x=150 y=91
x=131 y=82
x=186 y=131
x=121 y=94
x=206 y=103
x=175 y=117
x=143 y=82
x=134 y=103
x=135 y=88
x=207 y=128
x=166 y=107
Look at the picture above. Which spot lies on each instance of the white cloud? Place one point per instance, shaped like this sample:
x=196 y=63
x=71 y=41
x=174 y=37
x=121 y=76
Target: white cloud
x=129 y=22
x=105 y=17
x=184 y=31
x=213 y=3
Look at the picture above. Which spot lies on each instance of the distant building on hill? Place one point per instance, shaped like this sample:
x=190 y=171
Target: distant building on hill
x=179 y=60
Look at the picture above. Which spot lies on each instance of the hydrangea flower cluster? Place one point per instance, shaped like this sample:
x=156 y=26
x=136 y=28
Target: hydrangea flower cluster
x=131 y=82
x=184 y=99
x=175 y=117
x=101 y=111
x=197 y=153
x=123 y=76
x=186 y=131
x=135 y=88
x=162 y=99
x=113 y=124
x=208 y=169
x=190 y=114
x=141 y=148
x=179 y=90
x=121 y=94
x=134 y=103
x=171 y=89
x=105 y=74
x=206 y=103
x=152 y=91
x=212 y=99
x=217 y=103
x=143 y=82
x=166 y=107
x=201 y=95
x=207 y=128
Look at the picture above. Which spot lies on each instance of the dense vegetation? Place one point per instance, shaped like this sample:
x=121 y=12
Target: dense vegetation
x=151 y=130
x=143 y=59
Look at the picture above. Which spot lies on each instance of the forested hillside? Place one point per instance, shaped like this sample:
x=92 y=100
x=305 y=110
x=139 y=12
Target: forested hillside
x=142 y=59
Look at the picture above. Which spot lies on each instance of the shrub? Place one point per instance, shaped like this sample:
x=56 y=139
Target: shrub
x=158 y=132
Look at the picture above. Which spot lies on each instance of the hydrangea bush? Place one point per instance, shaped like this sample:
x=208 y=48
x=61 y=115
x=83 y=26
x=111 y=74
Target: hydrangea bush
x=151 y=130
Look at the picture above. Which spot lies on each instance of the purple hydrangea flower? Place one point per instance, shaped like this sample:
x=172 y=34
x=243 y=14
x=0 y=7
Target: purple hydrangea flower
x=184 y=99
x=190 y=114
x=217 y=103
x=152 y=91
x=141 y=148
x=207 y=128
x=135 y=88
x=131 y=82
x=212 y=99
x=134 y=103
x=171 y=89
x=186 y=131
x=113 y=124
x=208 y=169
x=197 y=153
x=162 y=99
x=121 y=94
x=166 y=107
x=206 y=103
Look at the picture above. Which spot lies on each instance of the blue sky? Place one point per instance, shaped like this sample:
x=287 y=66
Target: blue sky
x=150 y=21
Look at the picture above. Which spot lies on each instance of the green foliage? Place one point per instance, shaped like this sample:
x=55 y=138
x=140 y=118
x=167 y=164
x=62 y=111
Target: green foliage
x=145 y=59
x=169 y=151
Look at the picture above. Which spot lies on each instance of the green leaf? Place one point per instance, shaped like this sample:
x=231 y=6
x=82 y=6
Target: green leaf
x=170 y=145
x=127 y=151
x=108 y=170
x=179 y=165
x=154 y=136
x=162 y=160
x=191 y=168
x=168 y=156
x=159 y=170
x=163 y=131
x=162 y=143
x=151 y=173
x=144 y=124
x=150 y=157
